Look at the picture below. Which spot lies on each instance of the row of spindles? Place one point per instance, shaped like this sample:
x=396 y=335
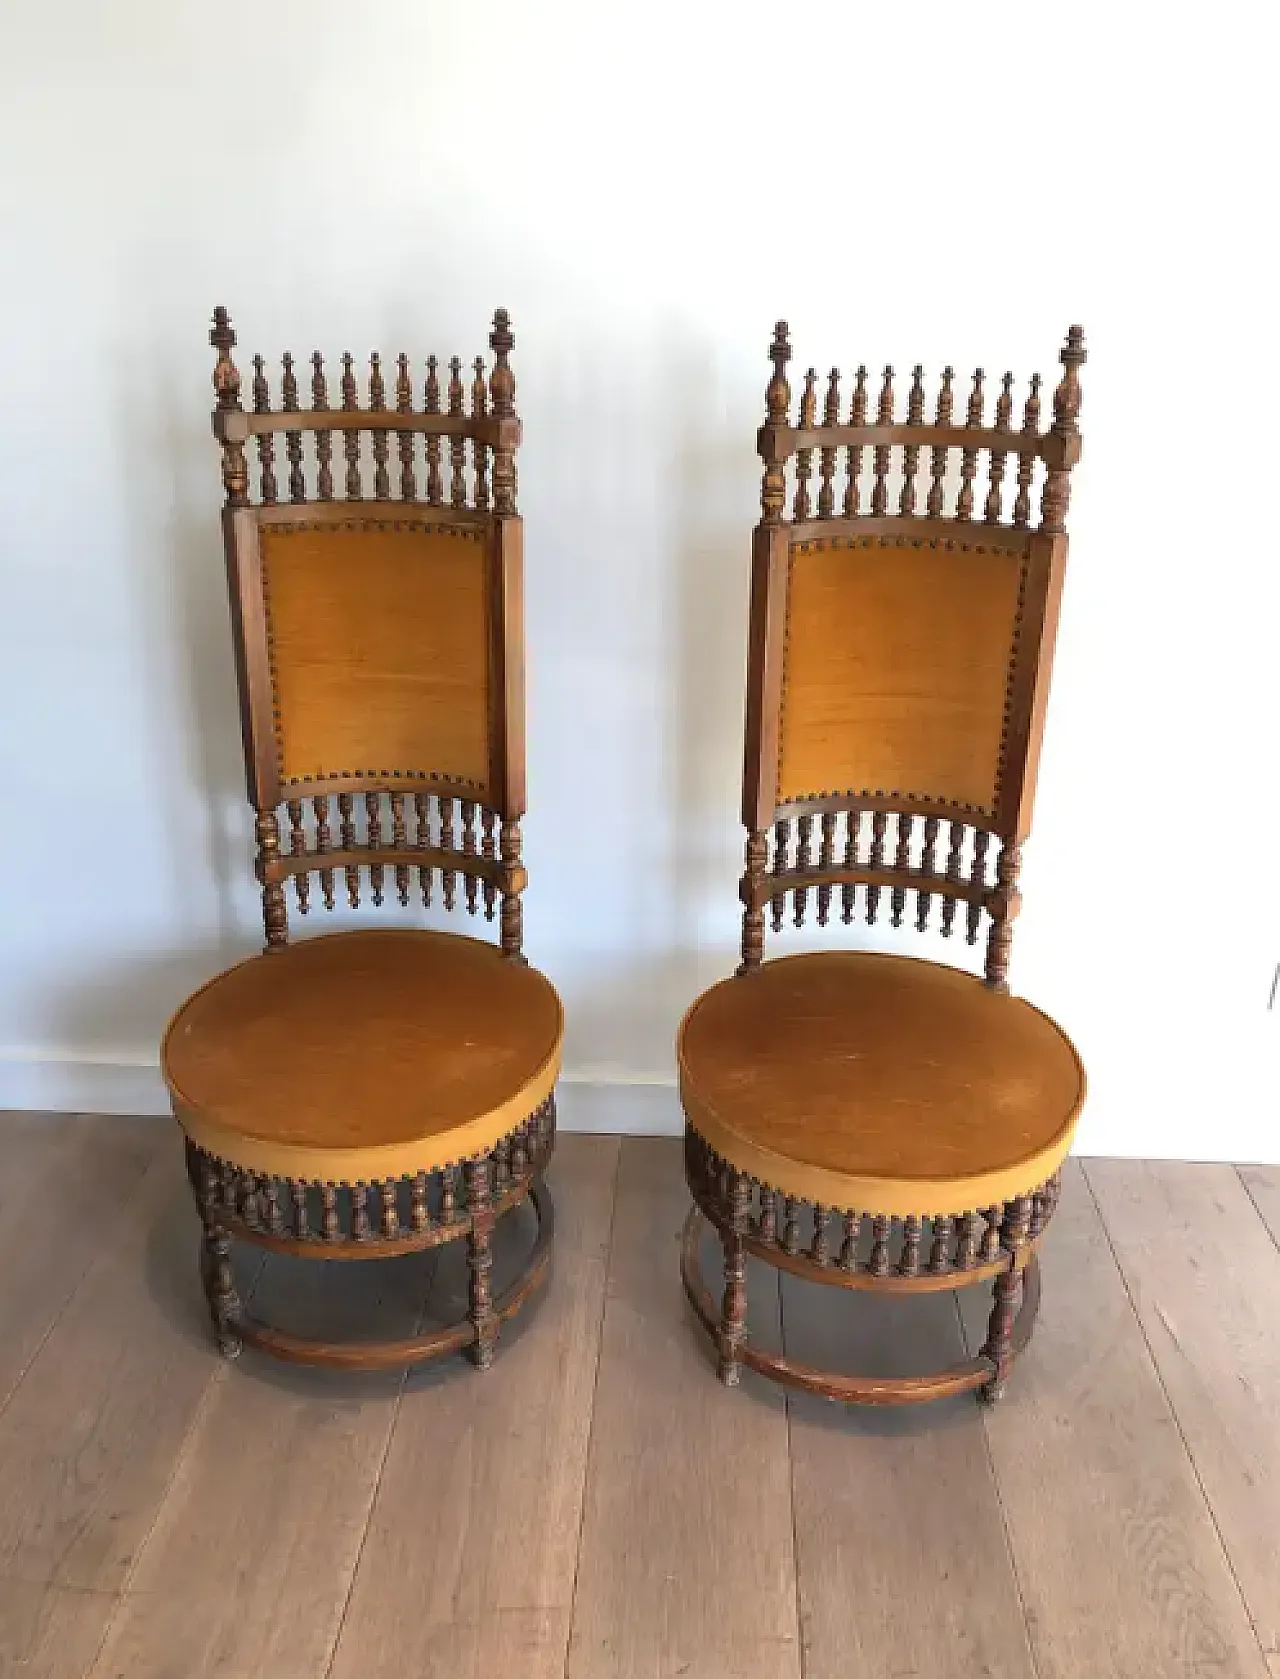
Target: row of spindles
x=459 y=825
x=839 y=845
x=882 y=1246
x=379 y=1210
x=855 y=501
x=440 y=396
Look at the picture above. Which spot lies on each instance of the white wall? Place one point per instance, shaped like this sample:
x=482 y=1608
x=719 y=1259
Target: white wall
x=646 y=188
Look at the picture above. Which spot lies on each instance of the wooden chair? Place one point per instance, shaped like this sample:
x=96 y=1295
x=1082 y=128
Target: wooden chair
x=865 y=1120
x=375 y=1092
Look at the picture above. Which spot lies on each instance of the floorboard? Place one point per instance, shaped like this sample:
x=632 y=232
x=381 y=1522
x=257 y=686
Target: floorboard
x=1263 y=1185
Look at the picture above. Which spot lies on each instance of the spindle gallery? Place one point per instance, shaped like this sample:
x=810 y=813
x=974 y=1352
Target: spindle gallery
x=369 y=1093
x=864 y=1120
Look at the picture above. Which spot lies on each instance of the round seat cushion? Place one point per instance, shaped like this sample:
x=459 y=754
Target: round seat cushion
x=363 y=1056
x=879 y=1083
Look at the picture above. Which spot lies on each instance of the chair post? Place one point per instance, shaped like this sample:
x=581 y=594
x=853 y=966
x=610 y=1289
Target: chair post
x=480 y=1262
x=215 y=1259
x=998 y=1347
x=733 y=1315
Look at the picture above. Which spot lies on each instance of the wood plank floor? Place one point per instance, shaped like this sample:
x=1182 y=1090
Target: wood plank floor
x=598 y=1507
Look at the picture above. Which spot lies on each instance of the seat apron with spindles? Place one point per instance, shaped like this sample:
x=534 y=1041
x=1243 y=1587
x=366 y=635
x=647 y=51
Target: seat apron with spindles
x=861 y=1119
x=374 y=1092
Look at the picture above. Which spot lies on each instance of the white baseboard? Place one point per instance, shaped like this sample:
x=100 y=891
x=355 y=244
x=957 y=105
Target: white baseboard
x=602 y=1100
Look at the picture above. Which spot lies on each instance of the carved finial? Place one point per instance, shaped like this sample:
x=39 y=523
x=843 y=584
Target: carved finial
x=1066 y=435
x=377 y=389
x=261 y=395
x=777 y=396
x=773 y=450
x=884 y=417
x=804 y=458
x=938 y=459
x=502 y=384
x=226 y=386
x=350 y=396
x=915 y=401
x=1066 y=399
x=226 y=376
x=976 y=398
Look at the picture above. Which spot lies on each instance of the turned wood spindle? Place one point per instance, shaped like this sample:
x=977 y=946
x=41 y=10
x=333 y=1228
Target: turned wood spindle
x=502 y=395
x=733 y=1310
x=848 y=889
x=479 y=449
x=827 y=466
x=457 y=442
x=422 y=841
x=851 y=1229
x=324 y=842
x=226 y=389
x=360 y=1212
x=928 y=866
x=826 y=860
x=448 y=878
x=940 y=1252
x=373 y=829
x=351 y=437
x=390 y=1212
x=298 y=848
x=912 y=1231
x=292 y=439
x=249 y=1201
x=431 y=401
x=781 y=844
x=790 y=1225
x=995 y=484
x=324 y=438
x=1027 y=455
x=480 y=1263
x=329 y=1231
x=955 y=851
x=768 y=1225
x=404 y=405
x=977 y=877
x=878 y=1262
x=489 y=851
x=969 y=457
x=449 y=1195
x=380 y=443
x=755 y=855
x=998 y=1346
x=272 y=1214
x=967 y=1245
x=777 y=396
x=853 y=455
x=470 y=884
x=938 y=454
x=419 y=1213
x=819 y=1250
x=804 y=847
x=519 y=1153
x=1065 y=433
x=347 y=812
x=911 y=453
x=801 y=506
x=901 y=863
x=990 y=1250
x=1003 y=906
x=883 y=451
x=274 y=914
x=301 y=1218
x=512 y=909
x=400 y=840
x=266 y=441
x=879 y=821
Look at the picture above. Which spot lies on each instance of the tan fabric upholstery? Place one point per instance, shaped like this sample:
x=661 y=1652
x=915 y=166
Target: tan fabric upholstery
x=363 y=1055
x=895 y=672
x=380 y=650
x=879 y=1083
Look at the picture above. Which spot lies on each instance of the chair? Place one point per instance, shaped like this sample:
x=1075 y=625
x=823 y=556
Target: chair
x=374 y=1092
x=860 y=1119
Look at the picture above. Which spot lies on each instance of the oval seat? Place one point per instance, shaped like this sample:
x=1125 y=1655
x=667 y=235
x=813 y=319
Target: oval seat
x=362 y=1056
x=879 y=1083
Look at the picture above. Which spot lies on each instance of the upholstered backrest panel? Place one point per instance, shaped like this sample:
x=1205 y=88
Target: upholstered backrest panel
x=897 y=668
x=380 y=647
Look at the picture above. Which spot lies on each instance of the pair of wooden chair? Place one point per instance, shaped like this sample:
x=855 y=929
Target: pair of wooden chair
x=865 y=1120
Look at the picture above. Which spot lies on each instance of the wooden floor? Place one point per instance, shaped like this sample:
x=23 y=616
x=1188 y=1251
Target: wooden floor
x=597 y=1506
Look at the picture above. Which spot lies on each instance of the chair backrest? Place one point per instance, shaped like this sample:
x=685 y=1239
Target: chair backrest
x=902 y=631
x=379 y=636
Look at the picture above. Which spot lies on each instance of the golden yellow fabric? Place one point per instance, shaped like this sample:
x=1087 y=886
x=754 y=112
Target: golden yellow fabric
x=380 y=650
x=879 y=1083
x=895 y=672
x=363 y=1055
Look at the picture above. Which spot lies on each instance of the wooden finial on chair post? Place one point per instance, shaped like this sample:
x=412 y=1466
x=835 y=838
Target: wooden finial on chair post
x=773 y=452
x=1064 y=436
x=229 y=432
x=502 y=399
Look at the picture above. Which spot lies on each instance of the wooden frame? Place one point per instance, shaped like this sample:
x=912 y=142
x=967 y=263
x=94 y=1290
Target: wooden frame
x=872 y=841
x=454 y=471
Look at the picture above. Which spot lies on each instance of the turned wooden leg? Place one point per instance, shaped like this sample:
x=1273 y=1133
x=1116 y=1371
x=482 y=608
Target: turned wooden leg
x=215 y=1261
x=733 y=1312
x=480 y=1262
x=999 y=1343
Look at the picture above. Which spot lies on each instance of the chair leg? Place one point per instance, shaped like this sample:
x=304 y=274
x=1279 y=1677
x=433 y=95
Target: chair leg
x=480 y=1264
x=215 y=1259
x=733 y=1312
x=998 y=1346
